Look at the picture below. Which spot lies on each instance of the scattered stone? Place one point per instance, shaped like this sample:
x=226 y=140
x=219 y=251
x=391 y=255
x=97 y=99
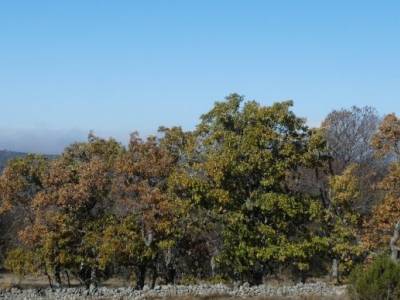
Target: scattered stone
x=244 y=290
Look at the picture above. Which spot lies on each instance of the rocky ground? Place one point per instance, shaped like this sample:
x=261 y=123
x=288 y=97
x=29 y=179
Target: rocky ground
x=220 y=291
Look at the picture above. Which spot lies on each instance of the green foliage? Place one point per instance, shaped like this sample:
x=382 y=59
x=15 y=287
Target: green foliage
x=122 y=244
x=233 y=199
x=343 y=220
x=249 y=153
x=188 y=280
x=218 y=279
x=380 y=280
x=22 y=262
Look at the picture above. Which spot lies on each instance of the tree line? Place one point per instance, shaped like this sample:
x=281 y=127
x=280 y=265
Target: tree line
x=251 y=192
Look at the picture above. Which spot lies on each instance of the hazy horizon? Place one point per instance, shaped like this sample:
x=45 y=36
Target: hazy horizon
x=70 y=67
x=53 y=141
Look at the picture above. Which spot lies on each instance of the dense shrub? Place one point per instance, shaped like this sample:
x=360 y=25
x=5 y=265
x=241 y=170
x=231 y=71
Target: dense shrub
x=379 y=280
x=21 y=262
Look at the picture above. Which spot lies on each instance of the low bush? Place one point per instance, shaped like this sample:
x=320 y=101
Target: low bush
x=379 y=280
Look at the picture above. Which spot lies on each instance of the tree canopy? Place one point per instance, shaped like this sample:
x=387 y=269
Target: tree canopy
x=251 y=192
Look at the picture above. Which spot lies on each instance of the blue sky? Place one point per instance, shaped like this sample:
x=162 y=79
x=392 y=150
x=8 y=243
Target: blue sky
x=67 y=67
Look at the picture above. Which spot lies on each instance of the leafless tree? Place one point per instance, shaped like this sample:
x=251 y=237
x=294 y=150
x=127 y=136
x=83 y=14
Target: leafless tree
x=348 y=133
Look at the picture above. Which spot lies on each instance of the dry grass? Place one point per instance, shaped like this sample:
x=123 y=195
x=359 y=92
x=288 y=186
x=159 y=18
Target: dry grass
x=8 y=280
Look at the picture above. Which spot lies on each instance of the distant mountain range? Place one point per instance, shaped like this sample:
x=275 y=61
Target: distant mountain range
x=5 y=156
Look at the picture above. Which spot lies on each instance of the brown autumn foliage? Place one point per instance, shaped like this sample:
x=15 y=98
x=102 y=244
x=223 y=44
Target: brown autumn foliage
x=251 y=192
x=386 y=213
x=387 y=141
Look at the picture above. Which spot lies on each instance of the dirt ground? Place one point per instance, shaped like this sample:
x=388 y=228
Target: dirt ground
x=8 y=280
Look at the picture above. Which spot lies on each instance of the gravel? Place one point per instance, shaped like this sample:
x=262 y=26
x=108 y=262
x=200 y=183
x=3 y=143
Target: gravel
x=239 y=291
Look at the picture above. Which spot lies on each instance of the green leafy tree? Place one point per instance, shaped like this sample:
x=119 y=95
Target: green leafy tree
x=344 y=221
x=247 y=154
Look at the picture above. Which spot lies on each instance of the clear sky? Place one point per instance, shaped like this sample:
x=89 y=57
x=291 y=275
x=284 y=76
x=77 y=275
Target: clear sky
x=116 y=66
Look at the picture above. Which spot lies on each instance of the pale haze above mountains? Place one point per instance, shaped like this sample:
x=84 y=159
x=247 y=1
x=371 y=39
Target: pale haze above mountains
x=46 y=141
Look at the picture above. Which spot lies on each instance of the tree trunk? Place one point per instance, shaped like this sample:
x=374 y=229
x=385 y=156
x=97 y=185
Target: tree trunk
x=93 y=279
x=68 y=279
x=393 y=247
x=171 y=273
x=84 y=274
x=49 y=279
x=169 y=265
x=140 y=277
x=212 y=265
x=335 y=270
x=57 y=277
x=154 y=276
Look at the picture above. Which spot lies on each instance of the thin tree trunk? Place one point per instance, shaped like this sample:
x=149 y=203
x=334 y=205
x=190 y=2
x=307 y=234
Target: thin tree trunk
x=393 y=247
x=83 y=275
x=57 y=277
x=49 y=279
x=335 y=270
x=171 y=273
x=68 y=279
x=169 y=264
x=154 y=277
x=140 y=277
x=93 y=278
x=212 y=265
